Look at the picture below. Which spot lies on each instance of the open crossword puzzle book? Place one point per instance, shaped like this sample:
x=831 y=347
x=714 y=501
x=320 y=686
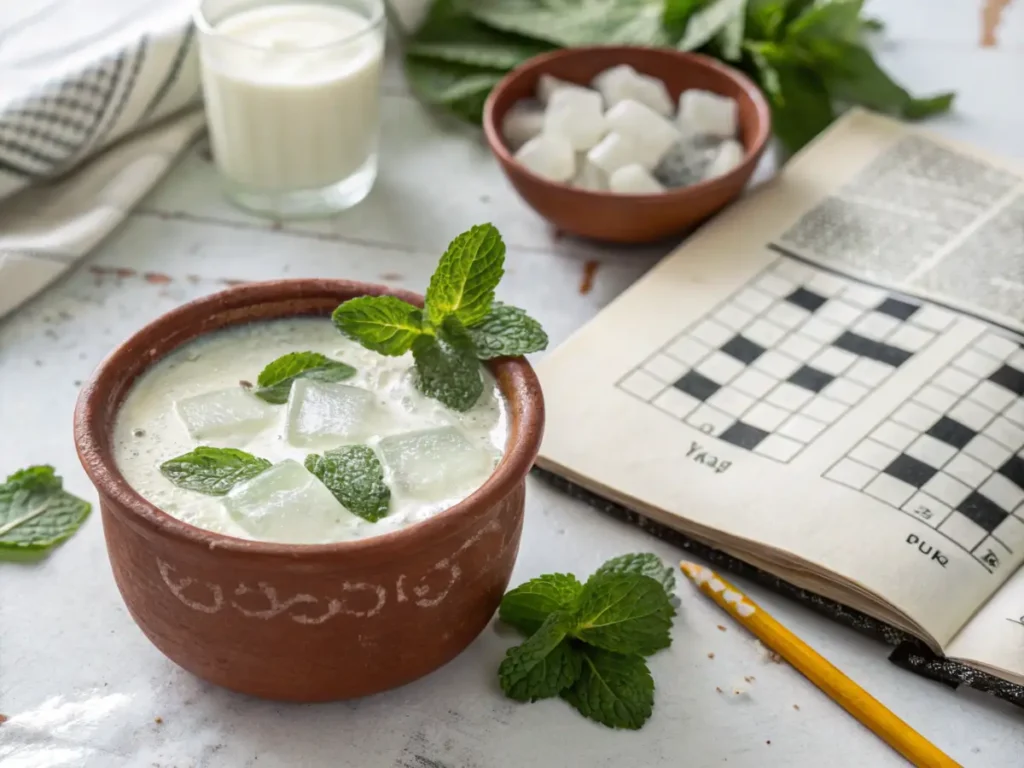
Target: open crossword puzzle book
x=827 y=382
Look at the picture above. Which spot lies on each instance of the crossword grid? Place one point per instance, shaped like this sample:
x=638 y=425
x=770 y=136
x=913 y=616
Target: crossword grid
x=784 y=357
x=953 y=455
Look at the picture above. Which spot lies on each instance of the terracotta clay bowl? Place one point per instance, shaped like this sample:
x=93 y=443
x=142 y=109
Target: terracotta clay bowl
x=629 y=218
x=304 y=622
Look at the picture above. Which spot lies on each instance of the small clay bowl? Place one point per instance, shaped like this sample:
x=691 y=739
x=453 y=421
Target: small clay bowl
x=629 y=218
x=293 y=622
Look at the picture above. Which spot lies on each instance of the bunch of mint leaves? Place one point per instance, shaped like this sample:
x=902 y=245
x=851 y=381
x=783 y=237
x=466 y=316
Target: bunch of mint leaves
x=586 y=642
x=810 y=57
x=36 y=513
x=460 y=323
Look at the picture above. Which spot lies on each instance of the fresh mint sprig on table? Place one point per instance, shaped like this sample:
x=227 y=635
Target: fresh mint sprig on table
x=353 y=473
x=276 y=379
x=459 y=325
x=810 y=57
x=36 y=513
x=586 y=642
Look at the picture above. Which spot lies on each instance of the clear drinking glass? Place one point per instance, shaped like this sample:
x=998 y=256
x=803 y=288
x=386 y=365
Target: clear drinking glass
x=292 y=93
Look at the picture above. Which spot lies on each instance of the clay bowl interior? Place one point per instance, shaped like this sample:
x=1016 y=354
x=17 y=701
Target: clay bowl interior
x=629 y=218
x=304 y=622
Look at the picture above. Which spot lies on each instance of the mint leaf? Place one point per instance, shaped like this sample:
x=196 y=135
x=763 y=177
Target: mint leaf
x=710 y=22
x=36 y=513
x=463 y=283
x=543 y=665
x=614 y=689
x=213 y=471
x=447 y=372
x=527 y=606
x=354 y=474
x=836 y=20
x=383 y=324
x=916 y=109
x=459 y=87
x=645 y=564
x=572 y=23
x=276 y=379
x=801 y=107
x=449 y=34
x=676 y=13
x=625 y=613
x=507 y=331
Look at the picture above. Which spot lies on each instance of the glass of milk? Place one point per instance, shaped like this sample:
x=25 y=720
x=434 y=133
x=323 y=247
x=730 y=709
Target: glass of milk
x=292 y=100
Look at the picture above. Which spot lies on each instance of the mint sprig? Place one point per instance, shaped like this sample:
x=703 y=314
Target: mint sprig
x=276 y=379
x=213 y=471
x=586 y=642
x=354 y=474
x=36 y=513
x=460 y=324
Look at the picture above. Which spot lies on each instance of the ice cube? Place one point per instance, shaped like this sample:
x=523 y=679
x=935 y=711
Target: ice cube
x=685 y=163
x=623 y=82
x=434 y=463
x=576 y=115
x=614 y=151
x=226 y=414
x=288 y=504
x=634 y=179
x=547 y=85
x=549 y=156
x=653 y=134
x=703 y=113
x=729 y=156
x=522 y=122
x=588 y=175
x=327 y=415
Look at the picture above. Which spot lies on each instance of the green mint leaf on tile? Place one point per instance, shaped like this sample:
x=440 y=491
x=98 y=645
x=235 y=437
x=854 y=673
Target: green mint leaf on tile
x=213 y=471
x=614 y=689
x=624 y=613
x=645 y=564
x=384 y=324
x=354 y=474
x=528 y=606
x=545 y=664
x=36 y=513
x=507 y=331
x=463 y=283
x=447 y=371
x=275 y=381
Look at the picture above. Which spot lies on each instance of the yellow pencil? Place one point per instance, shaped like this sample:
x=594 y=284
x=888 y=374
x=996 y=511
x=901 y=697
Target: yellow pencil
x=841 y=689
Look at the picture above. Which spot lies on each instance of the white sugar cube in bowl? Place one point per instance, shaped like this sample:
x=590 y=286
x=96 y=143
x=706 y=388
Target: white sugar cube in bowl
x=613 y=162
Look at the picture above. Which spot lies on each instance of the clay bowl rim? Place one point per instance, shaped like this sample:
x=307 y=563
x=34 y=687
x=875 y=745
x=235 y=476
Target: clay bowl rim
x=539 y=65
x=517 y=381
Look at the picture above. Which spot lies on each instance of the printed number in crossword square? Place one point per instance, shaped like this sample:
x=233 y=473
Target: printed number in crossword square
x=953 y=455
x=783 y=358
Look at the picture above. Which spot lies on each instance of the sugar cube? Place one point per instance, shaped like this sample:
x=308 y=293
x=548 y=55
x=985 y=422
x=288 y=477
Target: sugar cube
x=634 y=179
x=588 y=175
x=685 y=163
x=729 y=156
x=614 y=151
x=433 y=463
x=226 y=414
x=522 y=122
x=326 y=414
x=653 y=134
x=286 y=503
x=549 y=156
x=623 y=82
x=703 y=113
x=547 y=85
x=576 y=115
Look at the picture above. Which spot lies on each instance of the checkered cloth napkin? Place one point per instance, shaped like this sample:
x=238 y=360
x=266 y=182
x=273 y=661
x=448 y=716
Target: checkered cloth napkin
x=97 y=98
